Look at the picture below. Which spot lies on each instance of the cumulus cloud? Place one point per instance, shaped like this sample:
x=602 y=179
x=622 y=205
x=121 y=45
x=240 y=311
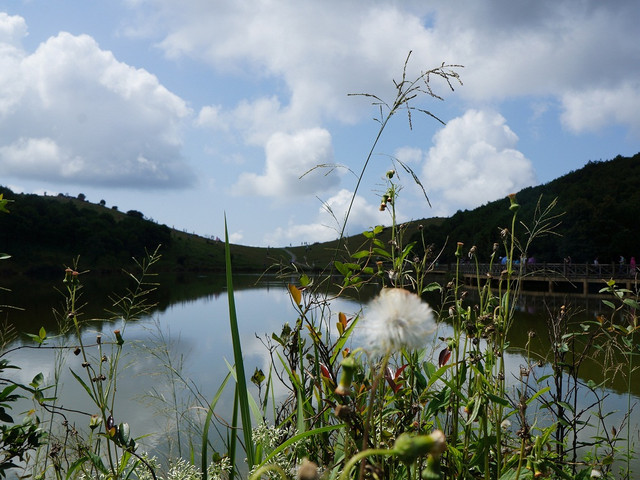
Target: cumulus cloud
x=474 y=160
x=330 y=219
x=589 y=111
x=290 y=159
x=74 y=113
x=545 y=48
x=320 y=51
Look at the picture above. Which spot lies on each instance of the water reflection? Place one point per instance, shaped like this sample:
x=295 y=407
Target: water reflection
x=188 y=331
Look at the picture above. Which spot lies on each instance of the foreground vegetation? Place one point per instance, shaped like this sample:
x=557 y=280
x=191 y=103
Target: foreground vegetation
x=396 y=390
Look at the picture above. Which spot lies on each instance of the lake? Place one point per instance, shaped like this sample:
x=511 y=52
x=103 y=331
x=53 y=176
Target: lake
x=188 y=331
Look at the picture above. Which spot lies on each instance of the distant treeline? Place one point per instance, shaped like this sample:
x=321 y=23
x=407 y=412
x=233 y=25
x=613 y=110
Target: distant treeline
x=600 y=204
x=38 y=228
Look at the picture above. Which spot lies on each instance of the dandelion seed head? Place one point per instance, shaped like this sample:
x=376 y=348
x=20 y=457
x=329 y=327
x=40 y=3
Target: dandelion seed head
x=397 y=319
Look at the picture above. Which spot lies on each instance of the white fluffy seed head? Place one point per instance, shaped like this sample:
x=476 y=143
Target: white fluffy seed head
x=396 y=319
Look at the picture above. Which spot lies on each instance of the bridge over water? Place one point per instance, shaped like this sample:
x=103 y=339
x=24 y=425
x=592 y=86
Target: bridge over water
x=566 y=277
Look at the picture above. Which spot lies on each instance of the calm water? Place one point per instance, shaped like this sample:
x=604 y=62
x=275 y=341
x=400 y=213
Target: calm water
x=189 y=329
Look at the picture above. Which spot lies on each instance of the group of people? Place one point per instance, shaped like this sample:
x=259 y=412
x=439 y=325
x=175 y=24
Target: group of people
x=632 y=264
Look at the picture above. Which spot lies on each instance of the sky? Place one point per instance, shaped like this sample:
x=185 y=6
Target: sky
x=263 y=111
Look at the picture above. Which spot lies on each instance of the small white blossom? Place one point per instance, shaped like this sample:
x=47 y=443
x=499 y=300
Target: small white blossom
x=397 y=319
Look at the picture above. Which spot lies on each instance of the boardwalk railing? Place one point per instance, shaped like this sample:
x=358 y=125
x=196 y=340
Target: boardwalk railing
x=554 y=270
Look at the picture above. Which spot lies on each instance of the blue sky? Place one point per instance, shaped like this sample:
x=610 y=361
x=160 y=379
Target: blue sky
x=189 y=110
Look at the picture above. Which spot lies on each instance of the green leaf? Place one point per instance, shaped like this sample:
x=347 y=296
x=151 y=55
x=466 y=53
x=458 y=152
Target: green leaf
x=42 y=333
x=381 y=252
x=432 y=287
x=124 y=433
x=631 y=302
x=207 y=422
x=301 y=436
x=342 y=268
x=4 y=394
x=499 y=400
x=609 y=304
x=97 y=462
x=361 y=254
x=74 y=466
x=86 y=387
x=245 y=415
x=37 y=380
x=537 y=394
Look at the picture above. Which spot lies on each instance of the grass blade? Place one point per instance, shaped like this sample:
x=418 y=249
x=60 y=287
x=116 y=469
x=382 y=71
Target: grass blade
x=205 y=429
x=245 y=415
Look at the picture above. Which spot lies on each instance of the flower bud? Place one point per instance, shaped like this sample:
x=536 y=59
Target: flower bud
x=119 y=338
x=94 y=422
x=409 y=447
x=348 y=368
x=459 y=249
x=514 y=207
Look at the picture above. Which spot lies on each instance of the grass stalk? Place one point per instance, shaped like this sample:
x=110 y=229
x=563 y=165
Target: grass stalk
x=237 y=355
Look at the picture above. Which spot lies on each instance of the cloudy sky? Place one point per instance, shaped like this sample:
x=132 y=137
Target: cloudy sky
x=189 y=110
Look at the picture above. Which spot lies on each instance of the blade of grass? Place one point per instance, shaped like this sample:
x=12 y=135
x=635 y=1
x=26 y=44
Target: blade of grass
x=300 y=436
x=207 y=421
x=237 y=354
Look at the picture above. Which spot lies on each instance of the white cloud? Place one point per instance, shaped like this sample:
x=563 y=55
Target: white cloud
x=289 y=159
x=13 y=29
x=589 y=111
x=330 y=220
x=324 y=50
x=74 y=113
x=474 y=160
x=321 y=51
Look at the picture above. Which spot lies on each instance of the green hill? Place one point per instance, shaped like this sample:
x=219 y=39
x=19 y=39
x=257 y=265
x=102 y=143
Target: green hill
x=601 y=205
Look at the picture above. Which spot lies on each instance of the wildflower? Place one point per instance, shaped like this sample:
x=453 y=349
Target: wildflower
x=459 y=249
x=397 y=319
x=595 y=473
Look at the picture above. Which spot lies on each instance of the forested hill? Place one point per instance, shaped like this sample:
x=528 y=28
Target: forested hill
x=600 y=207
x=46 y=233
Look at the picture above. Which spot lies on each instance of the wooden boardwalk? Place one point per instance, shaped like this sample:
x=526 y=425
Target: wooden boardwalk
x=571 y=277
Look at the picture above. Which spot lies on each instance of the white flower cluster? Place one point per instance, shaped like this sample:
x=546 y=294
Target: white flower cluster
x=397 y=319
x=180 y=469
